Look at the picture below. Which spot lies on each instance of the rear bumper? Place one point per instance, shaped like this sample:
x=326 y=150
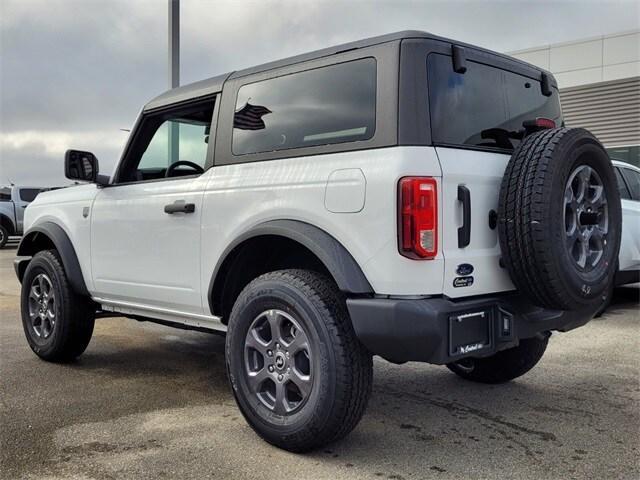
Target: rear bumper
x=440 y=331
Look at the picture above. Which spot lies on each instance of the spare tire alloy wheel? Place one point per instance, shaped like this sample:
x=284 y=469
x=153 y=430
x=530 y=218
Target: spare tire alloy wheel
x=278 y=362
x=586 y=217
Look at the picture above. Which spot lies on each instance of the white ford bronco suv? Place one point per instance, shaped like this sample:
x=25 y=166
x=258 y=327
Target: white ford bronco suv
x=405 y=196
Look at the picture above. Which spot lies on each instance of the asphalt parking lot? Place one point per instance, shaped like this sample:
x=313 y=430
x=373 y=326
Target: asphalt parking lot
x=147 y=401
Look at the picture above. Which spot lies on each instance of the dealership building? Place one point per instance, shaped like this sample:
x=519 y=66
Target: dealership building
x=599 y=81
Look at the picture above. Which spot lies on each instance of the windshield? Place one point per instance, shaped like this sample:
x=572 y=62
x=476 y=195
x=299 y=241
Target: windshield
x=484 y=107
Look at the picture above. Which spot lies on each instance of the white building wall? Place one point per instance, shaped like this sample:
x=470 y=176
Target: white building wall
x=602 y=59
x=599 y=81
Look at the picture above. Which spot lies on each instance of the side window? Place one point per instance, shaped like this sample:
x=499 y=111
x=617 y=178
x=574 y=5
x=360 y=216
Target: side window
x=622 y=186
x=633 y=181
x=5 y=194
x=29 y=194
x=176 y=140
x=169 y=145
x=326 y=105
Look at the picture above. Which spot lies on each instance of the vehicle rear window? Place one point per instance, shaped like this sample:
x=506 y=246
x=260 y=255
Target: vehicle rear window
x=327 y=105
x=29 y=194
x=485 y=106
x=5 y=194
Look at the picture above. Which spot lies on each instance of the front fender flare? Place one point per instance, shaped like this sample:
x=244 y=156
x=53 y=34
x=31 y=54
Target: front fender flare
x=29 y=246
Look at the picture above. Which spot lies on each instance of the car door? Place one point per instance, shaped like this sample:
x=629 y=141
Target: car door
x=629 y=186
x=145 y=227
x=24 y=197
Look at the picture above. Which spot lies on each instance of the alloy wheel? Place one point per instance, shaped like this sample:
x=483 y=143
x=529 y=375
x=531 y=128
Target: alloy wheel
x=586 y=217
x=42 y=306
x=278 y=362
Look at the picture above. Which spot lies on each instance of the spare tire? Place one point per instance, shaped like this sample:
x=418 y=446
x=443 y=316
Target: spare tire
x=559 y=219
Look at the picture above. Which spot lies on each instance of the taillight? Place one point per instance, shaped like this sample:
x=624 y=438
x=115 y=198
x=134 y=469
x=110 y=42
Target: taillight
x=418 y=217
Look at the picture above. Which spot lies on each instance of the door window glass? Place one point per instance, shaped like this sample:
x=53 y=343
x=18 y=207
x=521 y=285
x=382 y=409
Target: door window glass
x=169 y=138
x=633 y=181
x=29 y=194
x=622 y=186
x=176 y=140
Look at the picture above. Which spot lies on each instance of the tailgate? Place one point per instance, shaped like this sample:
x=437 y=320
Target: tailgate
x=473 y=269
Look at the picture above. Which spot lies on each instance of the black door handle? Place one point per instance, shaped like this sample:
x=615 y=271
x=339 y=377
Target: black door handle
x=464 y=232
x=179 y=207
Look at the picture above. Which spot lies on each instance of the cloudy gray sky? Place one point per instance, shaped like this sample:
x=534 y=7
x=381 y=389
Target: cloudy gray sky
x=74 y=72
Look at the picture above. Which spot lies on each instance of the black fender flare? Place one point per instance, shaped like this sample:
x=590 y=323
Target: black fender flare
x=334 y=256
x=29 y=247
x=6 y=219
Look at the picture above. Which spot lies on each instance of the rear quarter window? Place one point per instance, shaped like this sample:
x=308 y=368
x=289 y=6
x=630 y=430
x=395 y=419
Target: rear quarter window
x=485 y=106
x=327 y=105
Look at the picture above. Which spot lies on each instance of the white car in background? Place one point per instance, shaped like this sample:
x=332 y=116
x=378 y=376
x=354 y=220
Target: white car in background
x=628 y=177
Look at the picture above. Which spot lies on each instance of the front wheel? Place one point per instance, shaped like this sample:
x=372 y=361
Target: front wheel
x=503 y=366
x=299 y=374
x=57 y=322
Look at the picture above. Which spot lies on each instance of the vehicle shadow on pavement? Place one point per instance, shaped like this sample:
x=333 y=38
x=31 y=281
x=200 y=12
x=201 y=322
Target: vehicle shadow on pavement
x=626 y=296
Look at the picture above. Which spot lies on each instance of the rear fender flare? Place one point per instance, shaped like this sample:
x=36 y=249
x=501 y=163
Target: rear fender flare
x=334 y=256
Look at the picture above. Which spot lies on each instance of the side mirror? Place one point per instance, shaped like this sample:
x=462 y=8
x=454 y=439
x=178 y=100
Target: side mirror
x=82 y=166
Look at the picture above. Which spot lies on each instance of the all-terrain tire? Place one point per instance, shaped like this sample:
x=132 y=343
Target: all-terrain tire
x=4 y=236
x=340 y=367
x=503 y=366
x=73 y=315
x=535 y=220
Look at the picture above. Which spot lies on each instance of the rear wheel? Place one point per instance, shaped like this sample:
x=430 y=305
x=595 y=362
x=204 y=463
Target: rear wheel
x=57 y=322
x=4 y=236
x=299 y=375
x=503 y=366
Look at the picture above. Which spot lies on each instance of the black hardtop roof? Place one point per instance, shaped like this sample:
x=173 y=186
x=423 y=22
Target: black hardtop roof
x=214 y=84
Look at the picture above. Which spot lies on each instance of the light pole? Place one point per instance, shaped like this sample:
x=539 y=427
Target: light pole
x=174 y=43
x=174 y=73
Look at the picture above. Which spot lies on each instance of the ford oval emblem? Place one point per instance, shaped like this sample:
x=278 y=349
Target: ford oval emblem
x=464 y=269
